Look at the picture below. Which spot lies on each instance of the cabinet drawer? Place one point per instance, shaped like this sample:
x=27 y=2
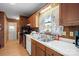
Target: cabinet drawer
x=41 y=46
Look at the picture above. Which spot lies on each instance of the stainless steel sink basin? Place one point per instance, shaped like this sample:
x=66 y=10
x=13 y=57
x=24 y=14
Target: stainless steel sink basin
x=45 y=40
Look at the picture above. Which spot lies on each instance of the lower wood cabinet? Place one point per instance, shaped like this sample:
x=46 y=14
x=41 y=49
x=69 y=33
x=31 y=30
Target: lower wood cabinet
x=51 y=52
x=57 y=54
x=33 y=48
x=40 y=52
x=39 y=49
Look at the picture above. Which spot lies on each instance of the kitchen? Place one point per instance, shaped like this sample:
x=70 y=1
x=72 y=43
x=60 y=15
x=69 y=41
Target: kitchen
x=62 y=42
x=53 y=30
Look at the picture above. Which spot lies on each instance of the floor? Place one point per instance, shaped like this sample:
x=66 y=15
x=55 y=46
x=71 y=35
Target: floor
x=13 y=48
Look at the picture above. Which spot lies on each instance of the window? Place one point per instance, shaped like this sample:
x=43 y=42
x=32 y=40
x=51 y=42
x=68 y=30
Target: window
x=11 y=27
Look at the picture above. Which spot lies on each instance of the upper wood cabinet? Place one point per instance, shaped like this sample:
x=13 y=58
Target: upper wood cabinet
x=33 y=20
x=69 y=14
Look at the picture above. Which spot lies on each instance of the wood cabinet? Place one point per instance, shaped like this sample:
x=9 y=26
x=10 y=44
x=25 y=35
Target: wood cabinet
x=51 y=52
x=39 y=49
x=69 y=14
x=40 y=52
x=33 y=20
x=33 y=47
x=2 y=28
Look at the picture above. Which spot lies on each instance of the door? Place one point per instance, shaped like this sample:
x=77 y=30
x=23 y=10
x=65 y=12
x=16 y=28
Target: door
x=12 y=31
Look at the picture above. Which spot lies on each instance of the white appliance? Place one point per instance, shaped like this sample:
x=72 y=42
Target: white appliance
x=28 y=44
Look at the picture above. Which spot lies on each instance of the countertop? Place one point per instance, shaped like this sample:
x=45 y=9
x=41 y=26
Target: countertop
x=62 y=47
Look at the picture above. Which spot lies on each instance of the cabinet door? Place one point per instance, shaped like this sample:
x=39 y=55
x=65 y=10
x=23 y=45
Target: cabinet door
x=40 y=52
x=49 y=52
x=40 y=49
x=63 y=14
x=33 y=20
x=69 y=14
x=33 y=50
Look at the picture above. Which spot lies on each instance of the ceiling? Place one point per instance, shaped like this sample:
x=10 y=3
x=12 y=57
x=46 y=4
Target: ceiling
x=14 y=10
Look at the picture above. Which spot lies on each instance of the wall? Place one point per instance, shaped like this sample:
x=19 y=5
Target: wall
x=3 y=33
x=69 y=29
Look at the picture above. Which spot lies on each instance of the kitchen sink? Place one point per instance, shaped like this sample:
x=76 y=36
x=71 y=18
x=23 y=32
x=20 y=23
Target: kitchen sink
x=46 y=40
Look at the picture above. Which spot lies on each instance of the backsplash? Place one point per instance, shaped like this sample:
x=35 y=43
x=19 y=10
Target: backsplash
x=69 y=31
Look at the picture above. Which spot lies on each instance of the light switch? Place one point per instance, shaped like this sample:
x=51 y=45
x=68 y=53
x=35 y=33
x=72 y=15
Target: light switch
x=71 y=33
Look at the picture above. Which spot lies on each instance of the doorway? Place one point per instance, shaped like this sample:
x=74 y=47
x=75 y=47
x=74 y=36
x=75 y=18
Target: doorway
x=12 y=30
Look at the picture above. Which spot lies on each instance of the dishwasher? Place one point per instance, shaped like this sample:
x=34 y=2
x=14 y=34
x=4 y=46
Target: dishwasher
x=28 y=44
